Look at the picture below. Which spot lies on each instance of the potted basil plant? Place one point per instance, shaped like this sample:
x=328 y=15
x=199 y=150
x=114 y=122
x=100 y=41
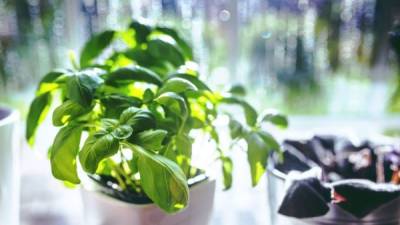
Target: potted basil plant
x=127 y=114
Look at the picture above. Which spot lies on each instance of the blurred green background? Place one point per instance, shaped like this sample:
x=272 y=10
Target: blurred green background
x=304 y=57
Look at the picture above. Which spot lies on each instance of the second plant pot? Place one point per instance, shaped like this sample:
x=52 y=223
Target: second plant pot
x=9 y=177
x=102 y=209
x=329 y=180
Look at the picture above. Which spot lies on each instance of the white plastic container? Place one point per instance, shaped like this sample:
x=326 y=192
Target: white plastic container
x=100 y=209
x=9 y=167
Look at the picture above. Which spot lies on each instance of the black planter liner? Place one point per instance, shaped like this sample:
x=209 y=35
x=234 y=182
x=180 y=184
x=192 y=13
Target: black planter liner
x=108 y=185
x=347 y=192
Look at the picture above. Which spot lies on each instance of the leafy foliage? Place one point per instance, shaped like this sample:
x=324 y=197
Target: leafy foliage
x=144 y=98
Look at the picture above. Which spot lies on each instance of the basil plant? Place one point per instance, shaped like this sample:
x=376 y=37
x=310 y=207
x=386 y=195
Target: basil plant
x=128 y=107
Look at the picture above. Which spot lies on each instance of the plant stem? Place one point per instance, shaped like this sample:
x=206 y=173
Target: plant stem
x=117 y=174
x=127 y=177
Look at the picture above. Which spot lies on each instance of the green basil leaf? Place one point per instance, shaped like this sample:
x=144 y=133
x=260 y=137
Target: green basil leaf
x=200 y=85
x=143 y=58
x=96 y=148
x=186 y=48
x=142 y=30
x=177 y=85
x=63 y=153
x=52 y=76
x=184 y=145
x=236 y=129
x=237 y=90
x=148 y=96
x=249 y=111
x=117 y=130
x=128 y=75
x=47 y=83
x=138 y=119
x=269 y=140
x=227 y=167
x=164 y=48
x=68 y=111
x=108 y=124
x=122 y=132
x=128 y=114
x=37 y=113
x=95 y=46
x=150 y=139
x=114 y=104
x=174 y=103
x=81 y=88
x=105 y=167
x=275 y=118
x=162 y=180
x=257 y=155
x=195 y=123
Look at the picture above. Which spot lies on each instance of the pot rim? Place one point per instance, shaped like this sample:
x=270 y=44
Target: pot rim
x=12 y=115
x=276 y=173
x=382 y=139
x=85 y=189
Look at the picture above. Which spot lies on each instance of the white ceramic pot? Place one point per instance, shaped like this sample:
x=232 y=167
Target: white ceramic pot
x=9 y=168
x=100 y=209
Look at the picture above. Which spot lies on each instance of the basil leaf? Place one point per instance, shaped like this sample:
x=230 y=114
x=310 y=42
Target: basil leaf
x=200 y=85
x=236 y=129
x=150 y=139
x=114 y=104
x=186 y=49
x=138 y=119
x=68 y=111
x=143 y=58
x=162 y=180
x=148 y=96
x=184 y=145
x=81 y=88
x=174 y=103
x=227 y=167
x=122 y=132
x=95 y=46
x=249 y=111
x=63 y=153
x=142 y=30
x=128 y=114
x=105 y=167
x=275 y=118
x=47 y=83
x=165 y=49
x=257 y=155
x=127 y=75
x=269 y=140
x=52 y=76
x=96 y=148
x=117 y=130
x=237 y=90
x=177 y=85
x=109 y=124
x=37 y=112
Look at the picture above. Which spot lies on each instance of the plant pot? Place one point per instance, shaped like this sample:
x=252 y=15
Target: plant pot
x=388 y=214
x=9 y=168
x=101 y=209
x=280 y=184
